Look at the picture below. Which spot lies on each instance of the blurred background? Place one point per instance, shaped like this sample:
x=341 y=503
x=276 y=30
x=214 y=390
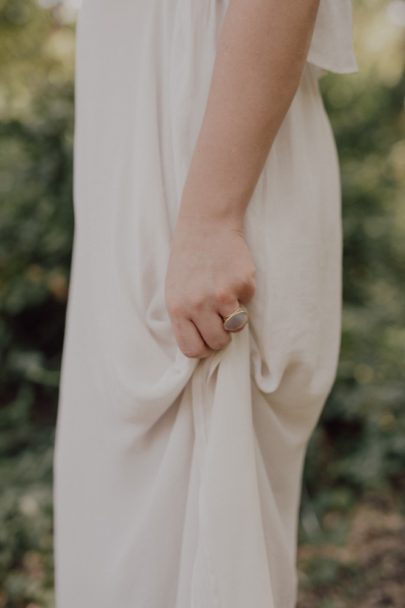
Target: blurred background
x=352 y=526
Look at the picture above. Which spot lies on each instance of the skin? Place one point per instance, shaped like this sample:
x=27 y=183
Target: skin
x=262 y=48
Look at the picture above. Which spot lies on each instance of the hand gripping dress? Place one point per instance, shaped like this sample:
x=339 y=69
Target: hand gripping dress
x=177 y=480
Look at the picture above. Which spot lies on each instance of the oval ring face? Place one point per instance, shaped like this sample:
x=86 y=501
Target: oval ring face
x=236 y=321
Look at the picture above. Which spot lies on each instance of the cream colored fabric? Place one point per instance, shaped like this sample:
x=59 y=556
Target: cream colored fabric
x=177 y=481
x=332 y=40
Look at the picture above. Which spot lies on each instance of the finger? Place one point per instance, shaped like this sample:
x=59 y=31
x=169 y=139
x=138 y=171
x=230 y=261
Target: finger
x=247 y=290
x=229 y=304
x=210 y=326
x=189 y=340
x=226 y=303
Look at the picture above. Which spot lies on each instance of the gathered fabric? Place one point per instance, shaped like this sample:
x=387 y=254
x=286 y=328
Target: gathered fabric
x=177 y=481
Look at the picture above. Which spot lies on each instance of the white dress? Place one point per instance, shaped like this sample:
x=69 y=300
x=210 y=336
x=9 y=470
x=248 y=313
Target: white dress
x=176 y=480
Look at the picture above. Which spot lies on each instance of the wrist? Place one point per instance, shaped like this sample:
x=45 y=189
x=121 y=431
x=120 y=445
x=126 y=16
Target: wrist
x=211 y=212
x=209 y=220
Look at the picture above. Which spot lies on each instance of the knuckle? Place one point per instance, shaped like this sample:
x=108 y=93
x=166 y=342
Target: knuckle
x=223 y=295
x=175 y=309
x=191 y=353
x=220 y=344
x=196 y=353
x=249 y=285
x=196 y=302
x=184 y=345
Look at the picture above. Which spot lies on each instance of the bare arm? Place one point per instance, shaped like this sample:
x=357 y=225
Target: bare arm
x=261 y=53
x=260 y=57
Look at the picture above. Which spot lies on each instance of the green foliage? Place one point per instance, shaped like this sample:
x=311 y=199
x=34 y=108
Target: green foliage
x=36 y=222
x=359 y=445
x=358 y=448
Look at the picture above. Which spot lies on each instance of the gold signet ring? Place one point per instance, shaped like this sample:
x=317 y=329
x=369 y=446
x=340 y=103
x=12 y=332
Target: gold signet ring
x=236 y=320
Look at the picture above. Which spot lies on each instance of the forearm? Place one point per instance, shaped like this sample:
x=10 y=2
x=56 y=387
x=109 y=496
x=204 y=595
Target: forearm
x=261 y=52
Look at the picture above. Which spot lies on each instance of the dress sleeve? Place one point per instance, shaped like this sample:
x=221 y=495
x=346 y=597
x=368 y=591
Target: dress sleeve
x=331 y=47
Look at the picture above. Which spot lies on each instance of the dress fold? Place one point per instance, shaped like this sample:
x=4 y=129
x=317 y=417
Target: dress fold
x=177 y=481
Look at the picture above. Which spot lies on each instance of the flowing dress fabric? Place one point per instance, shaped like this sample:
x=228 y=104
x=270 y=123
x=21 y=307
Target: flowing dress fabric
x=176 y=480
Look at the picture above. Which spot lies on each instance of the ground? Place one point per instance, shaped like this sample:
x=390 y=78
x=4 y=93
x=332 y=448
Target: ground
x=367 y=570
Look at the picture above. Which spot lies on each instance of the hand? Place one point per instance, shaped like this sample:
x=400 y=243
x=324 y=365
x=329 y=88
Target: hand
x=210 y=272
